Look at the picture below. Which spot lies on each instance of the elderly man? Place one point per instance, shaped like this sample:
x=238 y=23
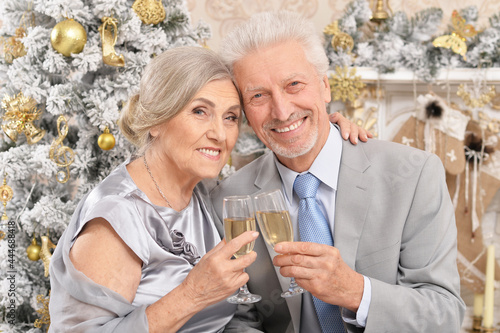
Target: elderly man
x=387 y=261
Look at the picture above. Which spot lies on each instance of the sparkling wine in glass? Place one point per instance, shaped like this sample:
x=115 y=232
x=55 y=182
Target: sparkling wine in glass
x=276 y=226
x=239 y=217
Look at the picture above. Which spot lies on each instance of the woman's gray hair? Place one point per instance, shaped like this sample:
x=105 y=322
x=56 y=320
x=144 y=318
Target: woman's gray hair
x=271 y=28
x=169 y=82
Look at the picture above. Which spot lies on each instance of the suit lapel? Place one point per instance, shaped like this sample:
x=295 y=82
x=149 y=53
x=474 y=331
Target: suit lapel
x=352 y=201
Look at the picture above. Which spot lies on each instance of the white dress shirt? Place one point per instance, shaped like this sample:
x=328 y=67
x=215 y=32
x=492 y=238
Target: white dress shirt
x=326 y=168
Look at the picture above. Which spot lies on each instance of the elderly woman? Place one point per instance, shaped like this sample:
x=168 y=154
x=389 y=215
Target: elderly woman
x=142 y=253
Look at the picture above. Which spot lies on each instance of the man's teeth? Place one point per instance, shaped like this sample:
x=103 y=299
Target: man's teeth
x=289 y=128
x=209 y=152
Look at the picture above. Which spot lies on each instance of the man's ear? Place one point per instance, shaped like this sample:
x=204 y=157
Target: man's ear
x=327 y=91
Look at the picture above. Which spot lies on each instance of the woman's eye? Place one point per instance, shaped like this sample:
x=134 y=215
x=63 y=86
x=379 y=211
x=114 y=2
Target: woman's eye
x=198 y=111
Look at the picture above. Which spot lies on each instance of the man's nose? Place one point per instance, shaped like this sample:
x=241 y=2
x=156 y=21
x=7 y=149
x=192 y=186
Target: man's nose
x=280 y=107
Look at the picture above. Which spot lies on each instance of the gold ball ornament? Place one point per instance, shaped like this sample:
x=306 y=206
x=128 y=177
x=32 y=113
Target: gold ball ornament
x=68 y=37
x=33 y=251
x=343 y=41
x=106 y=140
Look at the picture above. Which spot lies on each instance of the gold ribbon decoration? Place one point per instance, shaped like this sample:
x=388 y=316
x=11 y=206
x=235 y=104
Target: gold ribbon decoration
x=149 y=11
x=20 y=113
x=6 y=194
x=13 y=47
x=109 y=35
x=62 y=155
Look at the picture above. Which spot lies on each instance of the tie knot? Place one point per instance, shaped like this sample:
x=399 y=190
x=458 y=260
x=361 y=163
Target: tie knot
x=306 y=185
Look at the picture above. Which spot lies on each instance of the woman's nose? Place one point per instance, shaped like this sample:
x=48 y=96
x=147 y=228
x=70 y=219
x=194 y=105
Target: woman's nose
x=217 y=131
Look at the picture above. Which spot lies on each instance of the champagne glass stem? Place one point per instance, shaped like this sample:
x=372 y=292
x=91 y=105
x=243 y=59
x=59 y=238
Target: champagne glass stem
x=244 y=296
x=293 y=289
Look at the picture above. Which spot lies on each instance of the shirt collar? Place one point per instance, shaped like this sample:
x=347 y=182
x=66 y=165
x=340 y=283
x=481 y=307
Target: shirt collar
x=325 y=167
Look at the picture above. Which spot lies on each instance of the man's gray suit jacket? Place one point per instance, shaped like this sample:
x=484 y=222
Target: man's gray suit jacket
x=394 y=223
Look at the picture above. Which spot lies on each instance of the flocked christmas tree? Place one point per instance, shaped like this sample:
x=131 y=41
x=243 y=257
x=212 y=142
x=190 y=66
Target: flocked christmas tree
x=67 y=67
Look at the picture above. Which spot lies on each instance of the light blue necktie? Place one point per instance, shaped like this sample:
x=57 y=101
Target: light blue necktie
x=313 y=227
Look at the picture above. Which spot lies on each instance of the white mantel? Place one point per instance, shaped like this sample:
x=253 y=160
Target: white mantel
x=402 y=87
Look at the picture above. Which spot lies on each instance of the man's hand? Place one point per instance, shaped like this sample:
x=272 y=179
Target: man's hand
x=320 y=270
x=349 y=129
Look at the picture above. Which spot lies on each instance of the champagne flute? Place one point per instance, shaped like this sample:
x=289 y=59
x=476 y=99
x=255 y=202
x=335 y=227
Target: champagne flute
x=239 y=217
x=276 y=226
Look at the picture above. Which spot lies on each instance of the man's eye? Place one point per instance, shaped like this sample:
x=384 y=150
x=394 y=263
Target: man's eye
x=257 y=95
x=294 y=83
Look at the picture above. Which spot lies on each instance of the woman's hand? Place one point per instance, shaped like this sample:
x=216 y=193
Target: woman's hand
x=349 y=129
x=217 y=276
x=214 y=278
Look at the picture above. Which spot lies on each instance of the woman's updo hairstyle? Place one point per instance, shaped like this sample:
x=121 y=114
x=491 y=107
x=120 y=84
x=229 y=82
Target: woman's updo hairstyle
x=169 y=82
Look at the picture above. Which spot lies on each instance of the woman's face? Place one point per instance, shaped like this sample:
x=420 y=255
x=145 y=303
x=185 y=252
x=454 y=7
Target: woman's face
x=198 y=141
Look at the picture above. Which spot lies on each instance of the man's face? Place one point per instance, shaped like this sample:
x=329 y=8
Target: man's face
x=285 y=101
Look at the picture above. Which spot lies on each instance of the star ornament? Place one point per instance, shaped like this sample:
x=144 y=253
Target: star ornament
x=456 y=40
x=345 y=84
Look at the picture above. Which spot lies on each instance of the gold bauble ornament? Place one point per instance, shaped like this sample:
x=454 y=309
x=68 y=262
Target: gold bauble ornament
x=33 y=251
x=340 y=40
x=68 y=37
x=106 y=140
x=343 y=41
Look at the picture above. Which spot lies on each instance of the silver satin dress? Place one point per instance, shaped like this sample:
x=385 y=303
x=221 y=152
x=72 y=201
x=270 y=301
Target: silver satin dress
x=168 y=242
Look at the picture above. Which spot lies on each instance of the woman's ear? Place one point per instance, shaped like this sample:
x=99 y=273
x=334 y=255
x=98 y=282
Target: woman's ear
x=154 y=131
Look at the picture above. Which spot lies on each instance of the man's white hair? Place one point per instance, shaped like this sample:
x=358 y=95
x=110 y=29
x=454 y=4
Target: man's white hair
x=271 y=28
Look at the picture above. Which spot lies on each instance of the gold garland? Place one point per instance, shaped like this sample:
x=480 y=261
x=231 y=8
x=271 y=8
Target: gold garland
x=482 y=100
x=44 y=311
